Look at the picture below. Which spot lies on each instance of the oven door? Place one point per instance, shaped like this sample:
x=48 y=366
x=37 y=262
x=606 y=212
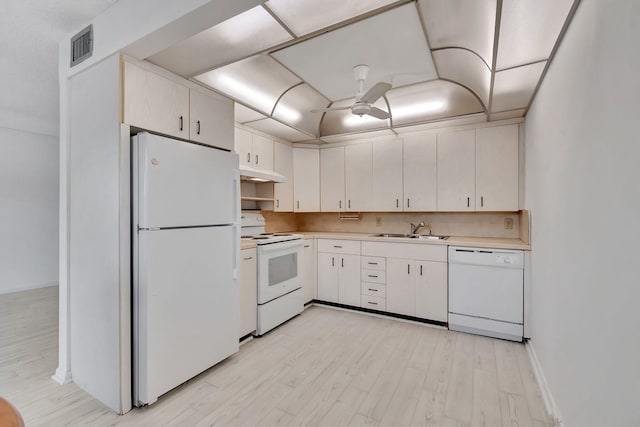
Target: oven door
x=279 y=269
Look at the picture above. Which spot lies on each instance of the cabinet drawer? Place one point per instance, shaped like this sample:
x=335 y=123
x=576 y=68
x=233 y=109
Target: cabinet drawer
x=374 y=276
x=373 y=303
x=374 y=290
x=339 y=246
x=373 y=263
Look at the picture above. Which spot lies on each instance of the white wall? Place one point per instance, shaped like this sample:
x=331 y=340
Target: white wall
x=583 y=190
x=28 y=210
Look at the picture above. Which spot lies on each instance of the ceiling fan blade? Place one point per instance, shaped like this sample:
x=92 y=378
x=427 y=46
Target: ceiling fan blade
x=378 y=113
x=375 y=92
x=322 y=110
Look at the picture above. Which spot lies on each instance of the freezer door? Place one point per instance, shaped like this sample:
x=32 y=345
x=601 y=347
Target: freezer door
x=185 y=306
x=182 y=184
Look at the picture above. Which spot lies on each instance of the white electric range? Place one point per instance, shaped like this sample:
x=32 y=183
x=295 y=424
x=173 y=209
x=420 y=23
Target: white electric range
x=279 y=260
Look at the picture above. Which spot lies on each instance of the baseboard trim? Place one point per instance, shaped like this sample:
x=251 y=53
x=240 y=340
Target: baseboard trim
x=27 y=288
x=62 y=376
x=547 y=396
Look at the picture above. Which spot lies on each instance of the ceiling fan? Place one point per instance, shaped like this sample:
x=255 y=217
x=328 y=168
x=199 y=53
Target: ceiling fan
x=364 y=100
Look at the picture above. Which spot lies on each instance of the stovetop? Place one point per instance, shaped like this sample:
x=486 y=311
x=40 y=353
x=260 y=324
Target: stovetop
x=266 y=238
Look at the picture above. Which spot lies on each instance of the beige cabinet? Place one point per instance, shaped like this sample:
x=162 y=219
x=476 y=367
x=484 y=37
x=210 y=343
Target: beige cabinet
x=211 y=119
x=248 y=292
x=262 y=154
x=306 y=180
x=497 y=168
x=243 y=145
x=339 y=271
x=283 y=164
x=332 y=185
x=309 y=277
x=420 y=173
x=456 y=171
x=154 y=102
x=387 y=176
x=359 y=177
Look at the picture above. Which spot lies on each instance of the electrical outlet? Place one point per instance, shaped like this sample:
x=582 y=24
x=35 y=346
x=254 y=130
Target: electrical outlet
x=378 y=221
x=508 y=223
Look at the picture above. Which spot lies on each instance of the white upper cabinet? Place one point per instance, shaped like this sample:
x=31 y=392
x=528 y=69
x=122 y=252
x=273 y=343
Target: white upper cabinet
x=332 y=185
x=283 y=164
x=306 y=180
x=497 y=168
x=262 y=155
x=359 y=177
x=387 y=176
x=154 y=102
x=420 y=173
x=243 y=145
x=211 y=119
x=456 y=171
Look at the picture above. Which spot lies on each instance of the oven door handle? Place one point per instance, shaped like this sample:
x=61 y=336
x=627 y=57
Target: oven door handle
x=281 y=246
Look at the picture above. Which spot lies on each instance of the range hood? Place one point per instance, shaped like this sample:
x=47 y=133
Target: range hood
x=258 y=175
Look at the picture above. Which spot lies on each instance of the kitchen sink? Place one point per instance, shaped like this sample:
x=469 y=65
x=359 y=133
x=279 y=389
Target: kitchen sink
x=412 y=236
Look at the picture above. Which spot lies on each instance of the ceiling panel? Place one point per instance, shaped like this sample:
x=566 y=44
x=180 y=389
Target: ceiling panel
x=246 y=34
x=465 y=68
x=306 y=16
x=459 y=121
x=243 y=114
x=257 y=81
x=391 y=43
x=512 y=114
x=295 y=107
x=513 y=88
x=529 y=29
x=272 y=127
x=360 y=135
x=460 y=23
x=344 y=121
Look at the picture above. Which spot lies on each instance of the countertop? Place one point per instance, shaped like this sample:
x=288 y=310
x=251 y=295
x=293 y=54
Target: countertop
x=247 y=244
x=481 y=242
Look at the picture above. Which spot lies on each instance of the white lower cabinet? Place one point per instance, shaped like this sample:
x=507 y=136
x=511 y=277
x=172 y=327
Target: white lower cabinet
x=339 y=272
x=431 y=290
x=309 y=276
x=248 y=292
x=401 y=288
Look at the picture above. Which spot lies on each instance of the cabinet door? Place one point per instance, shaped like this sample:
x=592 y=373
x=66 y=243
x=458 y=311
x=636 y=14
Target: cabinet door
x=283 y=164
x=420 y=173
x=306 y=180
x=431 y=290
x=309 y=286
x=358 y=177
x=401 y=290
x=154 y=102
x=248 y=292
x=262 y=153
x=211 y=120
x=387 y=176
x=456 y=171
x=332 y=196
x=328 y=276
x=349 y=280
x=243 y=142
x=497 y=168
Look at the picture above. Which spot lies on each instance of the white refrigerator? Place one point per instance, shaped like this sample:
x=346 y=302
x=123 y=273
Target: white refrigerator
x=185 y=259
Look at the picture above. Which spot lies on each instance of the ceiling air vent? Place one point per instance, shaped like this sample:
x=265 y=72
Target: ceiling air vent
x=82 y=45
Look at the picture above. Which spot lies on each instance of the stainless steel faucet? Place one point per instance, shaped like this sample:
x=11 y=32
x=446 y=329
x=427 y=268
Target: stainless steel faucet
x=416 y=227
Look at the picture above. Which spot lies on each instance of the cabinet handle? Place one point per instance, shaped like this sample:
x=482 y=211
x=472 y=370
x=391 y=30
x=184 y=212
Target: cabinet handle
x=373 y=290
x=397 y=203
x=408 y=202
x=340 y=204
x=372 y=303
x=349 y=204
x=198 y=127
x=256 y=159
x=277 y=203
x=248 y=258
x=333 y=262
x=248 y=157
x=181 y=123
x=468 y=201
x=298 y=204
x=421 y=269
x=481 y=201
x=372 y=263
x=371 y=275
x=307 y=246
x=336 y=246
x=342 y=262
x=408 y=268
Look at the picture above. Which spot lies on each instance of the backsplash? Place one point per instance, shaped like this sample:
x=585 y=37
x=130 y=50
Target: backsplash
x=471 y=224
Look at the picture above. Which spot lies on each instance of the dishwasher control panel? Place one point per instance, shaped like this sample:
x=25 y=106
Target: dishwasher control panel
x=488 y=257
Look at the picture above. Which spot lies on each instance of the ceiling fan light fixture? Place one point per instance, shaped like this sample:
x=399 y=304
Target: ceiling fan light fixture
x=361 y=108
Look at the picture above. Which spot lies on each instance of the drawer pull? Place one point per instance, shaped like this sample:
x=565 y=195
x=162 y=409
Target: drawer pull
x=371 y=275
x=372 y=263
x=373 y=290
x=336 y=246
x=372 y=303
x=307 y=246
x=248 y=258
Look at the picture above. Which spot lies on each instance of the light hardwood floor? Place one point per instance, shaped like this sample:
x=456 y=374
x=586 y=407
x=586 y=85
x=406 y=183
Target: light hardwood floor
x=325 y=367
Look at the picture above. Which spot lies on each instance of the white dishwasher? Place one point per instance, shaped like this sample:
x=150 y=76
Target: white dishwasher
x=486 y=288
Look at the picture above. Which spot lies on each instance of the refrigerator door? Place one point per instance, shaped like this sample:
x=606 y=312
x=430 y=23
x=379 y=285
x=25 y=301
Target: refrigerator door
x=179 y=184
x=185 y=306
